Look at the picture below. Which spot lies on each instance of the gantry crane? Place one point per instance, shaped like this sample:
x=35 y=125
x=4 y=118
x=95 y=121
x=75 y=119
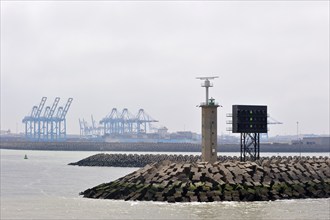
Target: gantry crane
x=126 y=123
x=43 y=125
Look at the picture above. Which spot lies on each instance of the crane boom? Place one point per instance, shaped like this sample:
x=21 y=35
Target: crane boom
x=41 y=105
x=66 y=108
x=34 y=111
x=93 y=122
x=59 y=112
x=46 y=112
x=273 y=121
x=52 y=110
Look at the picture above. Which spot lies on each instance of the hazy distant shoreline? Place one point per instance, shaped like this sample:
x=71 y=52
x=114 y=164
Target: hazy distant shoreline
x=153 y=147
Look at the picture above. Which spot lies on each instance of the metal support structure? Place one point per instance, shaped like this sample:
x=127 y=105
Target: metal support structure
x=50 y=121
x=43 y=125
x=62 y=121
x=93 y=126
x=33 y=125
x=250 y=146
x=29 y=123
x=44 y=122
x=116 y=123
x=81 y=126
x=143 y=121
x=92 y=131
x=37 y=122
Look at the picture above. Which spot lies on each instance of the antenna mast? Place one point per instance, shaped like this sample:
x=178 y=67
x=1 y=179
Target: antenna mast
x=207 y=84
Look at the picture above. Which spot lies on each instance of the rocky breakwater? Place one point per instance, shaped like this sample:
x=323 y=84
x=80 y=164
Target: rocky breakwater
x=139 y=160
x=266 y=179
x=132 y=160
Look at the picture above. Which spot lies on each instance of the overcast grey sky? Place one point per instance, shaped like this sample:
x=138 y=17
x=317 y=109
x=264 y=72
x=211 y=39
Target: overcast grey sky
x=146 y=54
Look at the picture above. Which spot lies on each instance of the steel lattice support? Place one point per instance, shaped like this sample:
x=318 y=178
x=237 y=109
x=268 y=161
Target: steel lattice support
x=126 y=123
x=44 y=125
x=250 y=146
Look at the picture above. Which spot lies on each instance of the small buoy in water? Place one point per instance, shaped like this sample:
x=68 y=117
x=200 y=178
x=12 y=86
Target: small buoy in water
x=25 y=157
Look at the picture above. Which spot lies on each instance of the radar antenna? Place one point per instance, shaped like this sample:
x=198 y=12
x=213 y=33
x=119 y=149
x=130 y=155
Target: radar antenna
x=207 y=84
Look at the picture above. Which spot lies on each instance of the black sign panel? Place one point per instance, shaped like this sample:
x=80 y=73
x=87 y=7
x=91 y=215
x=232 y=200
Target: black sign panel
x=249 y=119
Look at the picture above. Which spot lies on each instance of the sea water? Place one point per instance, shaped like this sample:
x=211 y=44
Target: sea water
x=45 y=187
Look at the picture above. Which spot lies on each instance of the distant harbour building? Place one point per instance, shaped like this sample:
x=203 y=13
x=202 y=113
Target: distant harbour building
x=316 y=141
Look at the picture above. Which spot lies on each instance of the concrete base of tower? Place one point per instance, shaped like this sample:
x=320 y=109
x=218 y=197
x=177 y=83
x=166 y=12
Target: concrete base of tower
x=209 y=133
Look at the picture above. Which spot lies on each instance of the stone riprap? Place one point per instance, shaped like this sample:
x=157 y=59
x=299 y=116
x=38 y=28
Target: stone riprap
x=266 y=179
x=139 y=160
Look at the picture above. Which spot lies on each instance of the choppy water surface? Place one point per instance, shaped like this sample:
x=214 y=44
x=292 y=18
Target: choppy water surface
x=45 y=187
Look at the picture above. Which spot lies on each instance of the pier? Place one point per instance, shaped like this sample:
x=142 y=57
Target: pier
x=265 y=179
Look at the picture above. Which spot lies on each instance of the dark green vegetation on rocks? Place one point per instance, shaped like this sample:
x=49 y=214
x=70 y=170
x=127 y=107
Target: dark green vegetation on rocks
x=232 y=180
